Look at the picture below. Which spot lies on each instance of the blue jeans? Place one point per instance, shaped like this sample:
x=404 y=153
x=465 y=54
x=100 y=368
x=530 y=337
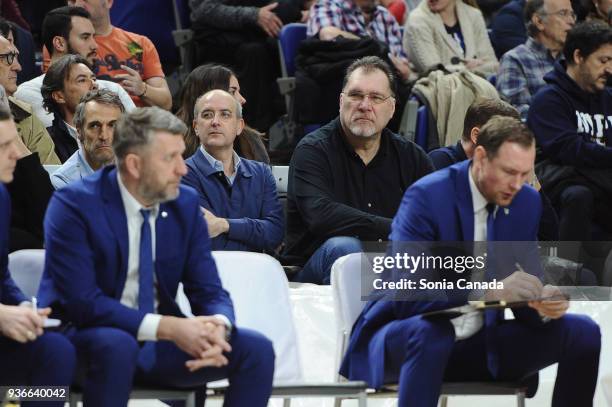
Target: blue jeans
x=317 y=269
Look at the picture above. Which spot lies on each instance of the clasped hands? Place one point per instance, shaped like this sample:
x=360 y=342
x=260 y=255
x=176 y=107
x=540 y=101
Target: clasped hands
x=21 y=323
x=202 y=337
x=521 y=286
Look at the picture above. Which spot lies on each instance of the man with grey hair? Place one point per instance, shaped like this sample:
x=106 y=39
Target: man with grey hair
x=346 y=179
x=522 y=69
x=119 y=243
x=94 y=119
x=238 y=196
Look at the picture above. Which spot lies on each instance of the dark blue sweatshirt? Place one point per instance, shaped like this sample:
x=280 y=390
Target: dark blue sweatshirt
x=571 y=126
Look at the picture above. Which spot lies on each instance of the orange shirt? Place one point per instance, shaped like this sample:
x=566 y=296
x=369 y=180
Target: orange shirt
x=123 y=48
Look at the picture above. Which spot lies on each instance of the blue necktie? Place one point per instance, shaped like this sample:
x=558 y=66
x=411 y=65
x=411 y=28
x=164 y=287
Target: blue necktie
x=145 y=268
x=491 y=316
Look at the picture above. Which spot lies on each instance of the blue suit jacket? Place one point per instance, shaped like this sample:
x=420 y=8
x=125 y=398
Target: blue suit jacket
x=252 y=210
x=10 y=294
x=438 y=207
x=86 y=238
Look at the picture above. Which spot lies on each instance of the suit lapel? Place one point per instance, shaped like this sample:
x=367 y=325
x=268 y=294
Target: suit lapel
x=115 y=215
x=465 y=207
x=163 y=226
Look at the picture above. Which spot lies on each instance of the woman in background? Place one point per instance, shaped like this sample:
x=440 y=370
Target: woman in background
x=451 y=33
x=202 y=79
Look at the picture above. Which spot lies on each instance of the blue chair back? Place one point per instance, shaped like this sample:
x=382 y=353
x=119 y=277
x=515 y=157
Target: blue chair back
x=289 y=39
x=422 y=128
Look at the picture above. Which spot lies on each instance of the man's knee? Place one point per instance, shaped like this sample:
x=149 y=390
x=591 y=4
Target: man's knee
x=577 y=196
x=342 y=245
x=254 y=344
x=110 y=345
x=584 y=335
x=55 y=353
x=426 y=337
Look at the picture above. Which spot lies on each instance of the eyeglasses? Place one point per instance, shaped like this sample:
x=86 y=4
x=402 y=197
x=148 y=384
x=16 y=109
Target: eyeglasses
x=565 y=13
x=374 y=98
x=9 y=57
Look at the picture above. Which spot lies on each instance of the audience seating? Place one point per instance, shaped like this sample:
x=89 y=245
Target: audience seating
x=260 y=294
x=422 y=127
x=26 y=267
x=346 y=287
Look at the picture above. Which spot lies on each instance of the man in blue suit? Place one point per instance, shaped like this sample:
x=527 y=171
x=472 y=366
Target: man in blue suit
x=238 y=196
x=28 y=355
x=483 y=199
x=118 y=244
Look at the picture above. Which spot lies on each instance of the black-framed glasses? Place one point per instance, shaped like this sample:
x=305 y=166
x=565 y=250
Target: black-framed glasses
x=565 y=13
x=374 y=98
x=9 y=57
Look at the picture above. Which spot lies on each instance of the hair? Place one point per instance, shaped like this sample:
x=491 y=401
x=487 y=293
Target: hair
x=586 y=37
x=201 y=80
x=58 y=23
x=135 y=130
x=7 y=27
x=368 y=65
x=103 y=96
x=481 y=110
x=532 y=7
x=501 y=129
x=238 y=106
x=54 y=80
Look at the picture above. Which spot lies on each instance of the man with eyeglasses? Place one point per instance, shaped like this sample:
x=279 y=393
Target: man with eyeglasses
x=571 y=118
x=31 y=130
x=346 y=180
x=238 y=196
x=522 y=69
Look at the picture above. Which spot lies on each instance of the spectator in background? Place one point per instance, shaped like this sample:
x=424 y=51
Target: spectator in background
x=136 y=16
x=66 y=81
x=30 y=356
x=451 y=33
x=599 y=10
x=30 y=192
x=571 y=119
x=66 y=31
x=346 y=179
x=202 y=79
x=94 y=119
x=397 y=8
x=31 y=130
x=238 y=196
x=508 y=27
x=354 y=19
x=477 y=115
x=522 y=69
x=242 y=35
x=126 y=57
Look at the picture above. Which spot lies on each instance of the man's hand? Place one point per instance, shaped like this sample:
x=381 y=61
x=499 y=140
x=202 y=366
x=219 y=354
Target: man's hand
x=402 y=66
x=554 y=309
x=189 y=334
x=22 y=324
x=268 y=21
x=213 y=356
x=519 y=286
x=131 y=82
x=216 y=225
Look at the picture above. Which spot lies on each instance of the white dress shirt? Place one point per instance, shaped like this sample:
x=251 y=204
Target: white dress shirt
x=147 y=331
x=467 y=325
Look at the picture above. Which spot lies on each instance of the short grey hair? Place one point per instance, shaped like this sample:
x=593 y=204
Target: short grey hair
x=103 y=96
x=533 y=7
x=238 y=105
x=135 y=130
